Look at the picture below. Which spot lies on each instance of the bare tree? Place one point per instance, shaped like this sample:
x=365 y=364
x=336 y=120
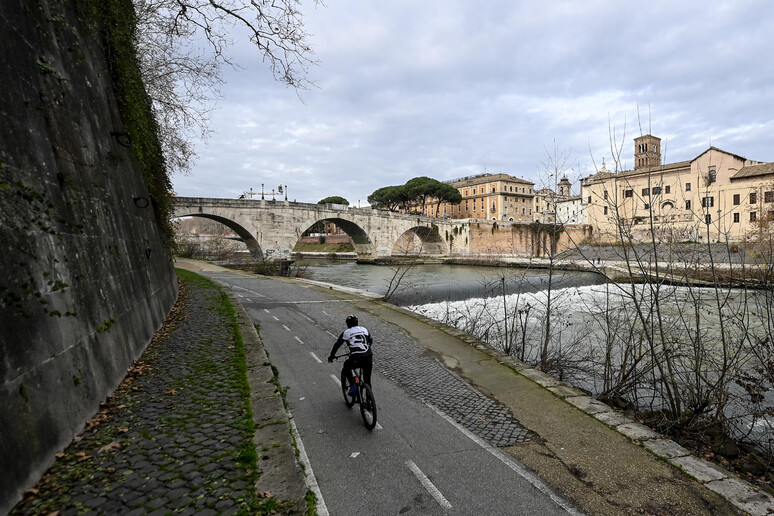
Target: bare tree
x=183 y=79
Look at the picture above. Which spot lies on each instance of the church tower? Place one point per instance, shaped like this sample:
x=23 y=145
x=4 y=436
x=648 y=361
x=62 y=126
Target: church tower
x=647 y=152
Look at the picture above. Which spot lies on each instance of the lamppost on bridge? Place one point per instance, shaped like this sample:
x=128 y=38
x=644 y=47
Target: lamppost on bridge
x=262 y=197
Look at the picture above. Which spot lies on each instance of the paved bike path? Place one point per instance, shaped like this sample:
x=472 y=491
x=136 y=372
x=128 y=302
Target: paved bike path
x=593 y=454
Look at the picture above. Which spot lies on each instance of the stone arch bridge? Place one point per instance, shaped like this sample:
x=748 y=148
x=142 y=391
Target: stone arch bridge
x=272 y=228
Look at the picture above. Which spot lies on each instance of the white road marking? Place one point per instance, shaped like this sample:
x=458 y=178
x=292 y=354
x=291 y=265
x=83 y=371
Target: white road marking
x=311 y=480
x=266 y=310
x=332 y=335
x=354 y=455
x=326 y=313
x=307 y=317
x=434 y=492
x=315 y=357
x=511 y=463
x=284 y=326
x=275 y=317
x=338 y=382
x=299 y=340
x=250 y=291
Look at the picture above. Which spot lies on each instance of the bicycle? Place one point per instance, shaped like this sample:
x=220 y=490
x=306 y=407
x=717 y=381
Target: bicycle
x=363 y=395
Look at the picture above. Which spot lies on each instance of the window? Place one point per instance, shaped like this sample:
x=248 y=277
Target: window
x=688 y=204
x=466 y=192
x=753 y=216
x=524 y=211
x=604 y=195
x=646 y=192
x=753 y=198
x=656 y=190
x=667 y=189
x=494 y=189
x=707 y=202
x=768 y=196
x=736 y=201
x=708 y=219
x=605 y=210
x=712 y=176
x=736 y=217
x=628 y=193
x=474 y=191
x=589 y=199
x=687 y=187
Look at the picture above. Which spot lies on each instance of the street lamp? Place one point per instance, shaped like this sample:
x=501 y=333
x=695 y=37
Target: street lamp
x=262 y=197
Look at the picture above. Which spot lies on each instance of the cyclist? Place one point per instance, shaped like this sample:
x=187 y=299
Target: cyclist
x=359 y=342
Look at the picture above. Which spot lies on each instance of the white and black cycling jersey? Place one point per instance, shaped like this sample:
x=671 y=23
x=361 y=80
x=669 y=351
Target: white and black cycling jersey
x=358 y=339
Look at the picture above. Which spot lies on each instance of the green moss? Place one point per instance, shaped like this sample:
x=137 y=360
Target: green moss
x=105 y=326
x=118 y=26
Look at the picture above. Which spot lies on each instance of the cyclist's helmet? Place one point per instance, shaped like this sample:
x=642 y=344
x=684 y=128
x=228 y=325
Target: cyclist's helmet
x=351 y=321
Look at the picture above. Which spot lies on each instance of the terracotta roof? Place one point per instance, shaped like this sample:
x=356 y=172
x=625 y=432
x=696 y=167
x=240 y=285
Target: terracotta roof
x=759 y=169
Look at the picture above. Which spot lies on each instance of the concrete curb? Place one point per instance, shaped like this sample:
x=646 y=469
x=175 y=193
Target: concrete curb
x=281 y=473
x=740 y=493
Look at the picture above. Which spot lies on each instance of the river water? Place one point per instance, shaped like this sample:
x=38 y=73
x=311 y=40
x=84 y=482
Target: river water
x=595 y=325
x=423 y=284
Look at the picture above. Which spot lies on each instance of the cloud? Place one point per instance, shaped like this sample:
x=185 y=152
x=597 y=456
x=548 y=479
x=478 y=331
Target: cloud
x=452 y=88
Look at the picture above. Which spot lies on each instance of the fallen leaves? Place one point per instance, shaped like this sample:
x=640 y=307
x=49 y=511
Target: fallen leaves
x=115 y=445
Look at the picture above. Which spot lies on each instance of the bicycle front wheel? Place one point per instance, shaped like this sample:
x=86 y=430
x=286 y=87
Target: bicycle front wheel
x=367 y=406
x=348 y=398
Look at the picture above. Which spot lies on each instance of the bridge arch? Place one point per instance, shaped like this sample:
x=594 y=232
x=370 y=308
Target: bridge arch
x=364 y=246
x=250 y=241
x=420 y=240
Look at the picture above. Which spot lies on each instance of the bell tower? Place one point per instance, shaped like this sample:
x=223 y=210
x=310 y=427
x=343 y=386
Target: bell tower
x=647 y=152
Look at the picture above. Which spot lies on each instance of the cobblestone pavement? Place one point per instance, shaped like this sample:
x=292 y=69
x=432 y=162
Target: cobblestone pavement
x=398 y=357
x=175 y=437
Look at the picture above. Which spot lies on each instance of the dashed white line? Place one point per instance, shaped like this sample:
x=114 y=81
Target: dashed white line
x=338 y=382
x=434 y=492
x=511 y=463
x=266 y=310
x=285 y=326
x=275 y=317
x=307 y=317
x=299 y=340
x=250 y=291
x=315 y=357
x=326 y=313
x=311 y=480
x=332 y=335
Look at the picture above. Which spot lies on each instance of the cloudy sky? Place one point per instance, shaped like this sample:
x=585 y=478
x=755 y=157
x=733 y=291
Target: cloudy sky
x=450 y=88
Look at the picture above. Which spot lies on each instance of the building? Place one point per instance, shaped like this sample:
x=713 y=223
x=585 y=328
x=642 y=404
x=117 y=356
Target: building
x=571 y=210
x=717 y=195
x=547 y=201
x=499 y=197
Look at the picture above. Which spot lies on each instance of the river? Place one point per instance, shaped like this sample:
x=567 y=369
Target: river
x=424 y=284
x=598 y=328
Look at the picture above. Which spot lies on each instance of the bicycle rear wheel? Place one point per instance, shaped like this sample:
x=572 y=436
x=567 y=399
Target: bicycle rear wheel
x=367 y=406
x=348 y=399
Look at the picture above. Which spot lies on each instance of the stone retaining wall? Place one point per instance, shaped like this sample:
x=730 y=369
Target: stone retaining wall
x=86 y=278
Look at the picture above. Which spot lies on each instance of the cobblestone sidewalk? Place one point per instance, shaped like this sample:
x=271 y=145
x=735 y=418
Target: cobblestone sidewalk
x=175 y=437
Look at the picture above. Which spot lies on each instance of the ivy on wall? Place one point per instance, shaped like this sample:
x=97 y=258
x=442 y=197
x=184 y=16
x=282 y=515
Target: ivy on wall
x=117 y=21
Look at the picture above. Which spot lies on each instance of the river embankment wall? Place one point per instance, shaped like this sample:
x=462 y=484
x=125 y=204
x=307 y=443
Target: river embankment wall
x=520 y=239
x=86 y=278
